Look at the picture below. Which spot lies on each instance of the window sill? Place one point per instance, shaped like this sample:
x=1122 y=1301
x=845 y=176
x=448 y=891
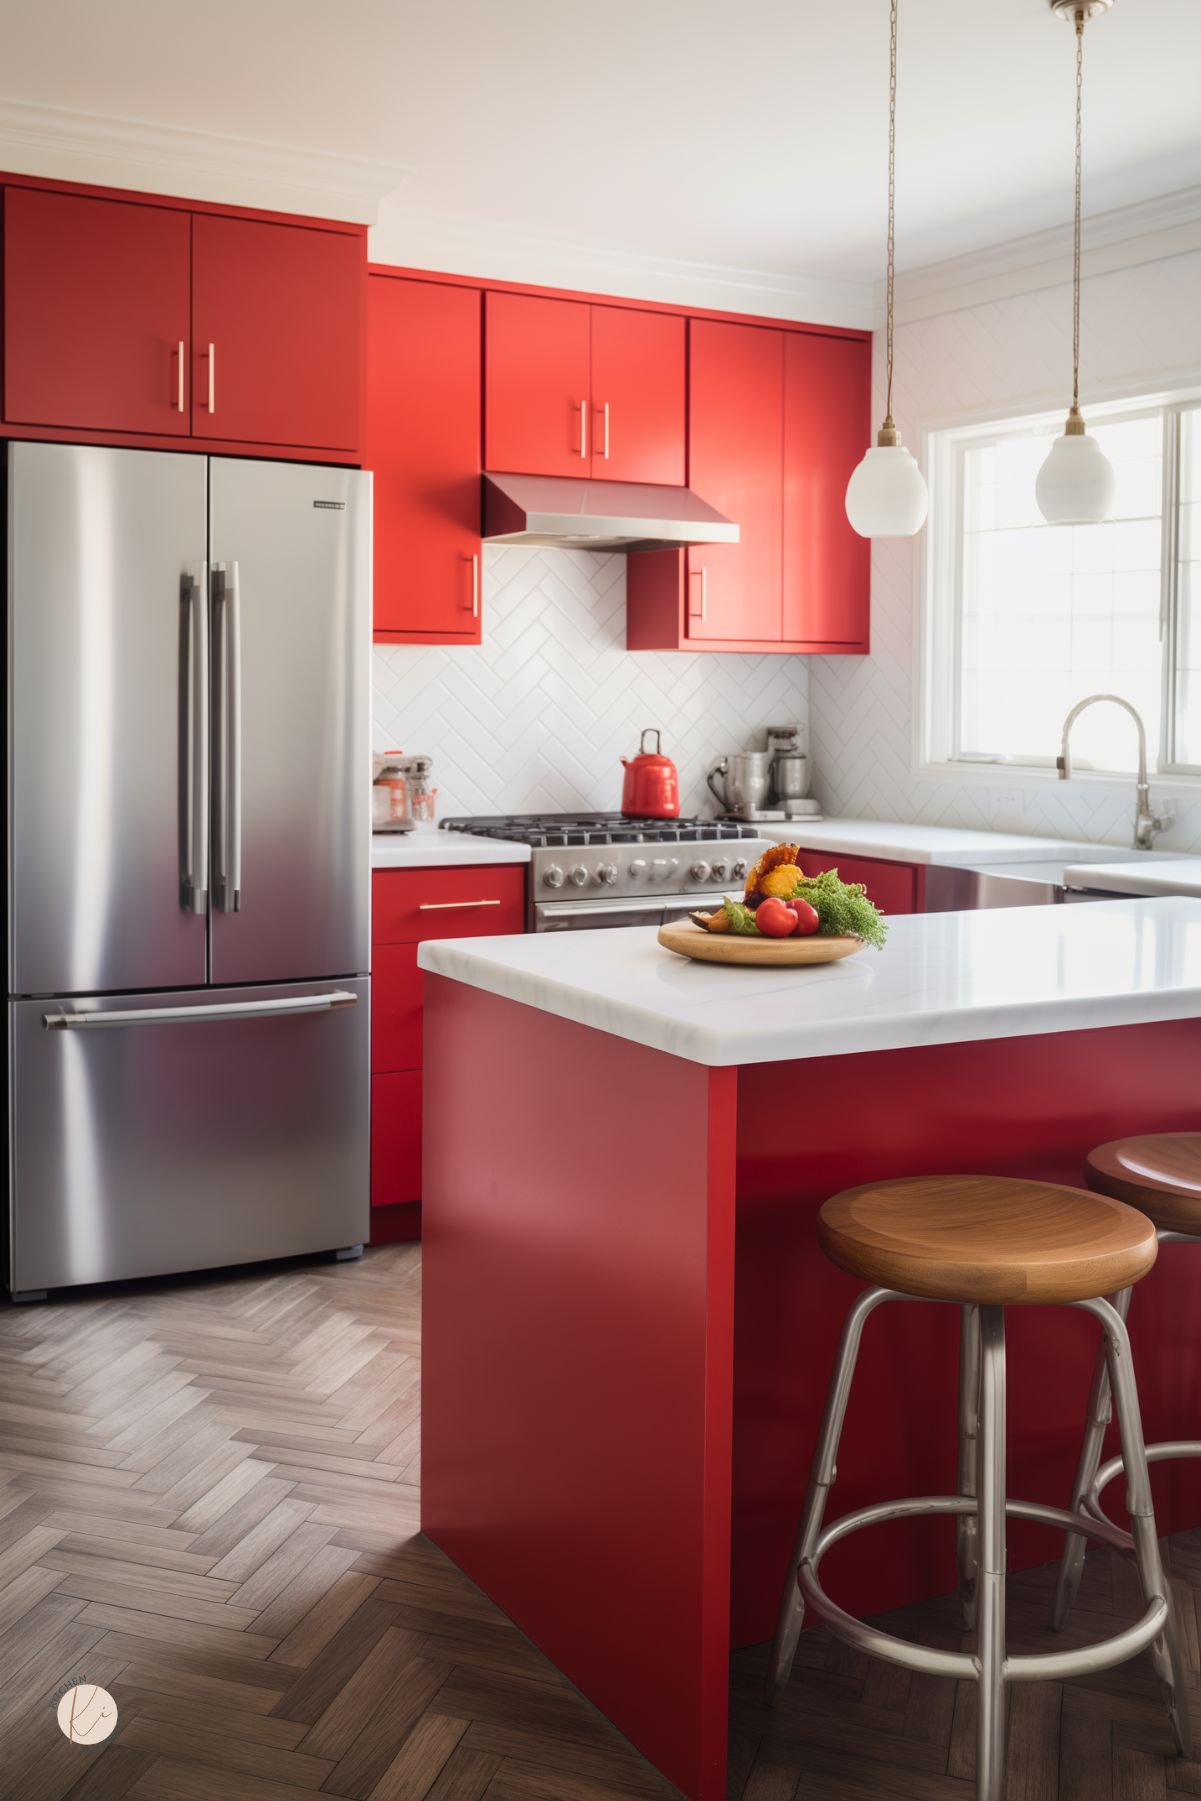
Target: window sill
x=1185 y=788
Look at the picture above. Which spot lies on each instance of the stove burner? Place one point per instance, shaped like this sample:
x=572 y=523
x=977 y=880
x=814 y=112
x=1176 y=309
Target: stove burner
x=598 y=828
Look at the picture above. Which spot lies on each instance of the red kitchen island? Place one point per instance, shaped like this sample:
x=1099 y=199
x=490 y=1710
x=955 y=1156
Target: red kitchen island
x=628 y=1327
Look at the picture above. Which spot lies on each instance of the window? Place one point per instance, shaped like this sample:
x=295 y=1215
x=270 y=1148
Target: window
x=1028 y=619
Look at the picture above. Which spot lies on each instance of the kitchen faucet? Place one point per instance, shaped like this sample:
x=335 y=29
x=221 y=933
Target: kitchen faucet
x=1146 y=821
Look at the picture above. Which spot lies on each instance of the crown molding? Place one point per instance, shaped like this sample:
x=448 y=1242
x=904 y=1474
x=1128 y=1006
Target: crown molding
x=65 y=145
x=484 y=247
x=1169 y=225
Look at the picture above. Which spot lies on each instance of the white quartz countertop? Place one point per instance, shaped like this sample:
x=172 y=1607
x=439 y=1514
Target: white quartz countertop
x=927 y=843
x=943 y=978
x=429 y=848
x=1178 y=875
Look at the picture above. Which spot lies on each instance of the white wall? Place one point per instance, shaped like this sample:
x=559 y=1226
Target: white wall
x=538 y=717
x=1141 y=325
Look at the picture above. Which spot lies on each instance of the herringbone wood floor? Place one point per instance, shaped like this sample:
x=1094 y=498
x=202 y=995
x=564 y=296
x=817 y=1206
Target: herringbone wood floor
x=208 y=1504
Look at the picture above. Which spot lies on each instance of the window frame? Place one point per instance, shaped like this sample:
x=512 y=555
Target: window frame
x=938 y=668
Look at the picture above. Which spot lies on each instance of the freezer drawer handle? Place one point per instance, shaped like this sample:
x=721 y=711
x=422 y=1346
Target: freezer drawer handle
x=195 y=849
x=199 y=1016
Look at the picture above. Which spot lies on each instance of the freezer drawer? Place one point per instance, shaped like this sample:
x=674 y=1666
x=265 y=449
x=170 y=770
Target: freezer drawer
x=187 y=1131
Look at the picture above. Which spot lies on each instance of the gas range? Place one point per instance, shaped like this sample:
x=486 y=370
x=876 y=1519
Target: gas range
x=602 y=869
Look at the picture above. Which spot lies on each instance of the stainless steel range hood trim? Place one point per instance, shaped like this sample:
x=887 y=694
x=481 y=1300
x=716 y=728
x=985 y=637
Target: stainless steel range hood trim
x=557 y=512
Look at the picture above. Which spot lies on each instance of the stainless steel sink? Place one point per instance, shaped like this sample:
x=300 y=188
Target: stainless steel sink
x=1041 y=884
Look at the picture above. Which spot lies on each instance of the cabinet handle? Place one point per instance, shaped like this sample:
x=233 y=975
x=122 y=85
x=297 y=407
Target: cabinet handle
x=605 y=448
x=179 y=394
x=212 y=359
x=583 y=428
x=704 y=575
x=453 y=906
x=475 y=586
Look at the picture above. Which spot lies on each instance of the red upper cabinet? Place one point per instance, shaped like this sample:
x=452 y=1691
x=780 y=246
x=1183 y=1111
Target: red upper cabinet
x=576 y=389
x=778 y=418
x=277 y=316
x=423 y=443
x=537 y=385
x=96 y=313
x=638 y=368
x=827 y=422
x=736 y=463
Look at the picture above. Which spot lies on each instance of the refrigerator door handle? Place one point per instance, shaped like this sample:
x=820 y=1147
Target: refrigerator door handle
x=227 y=692
x=198 y=1016
x=194 y=875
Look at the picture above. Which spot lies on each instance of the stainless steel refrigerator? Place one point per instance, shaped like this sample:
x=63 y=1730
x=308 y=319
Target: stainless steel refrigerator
x=188 y=862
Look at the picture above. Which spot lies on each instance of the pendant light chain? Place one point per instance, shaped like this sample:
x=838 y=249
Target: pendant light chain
x=892 y=205
x=1080 y=18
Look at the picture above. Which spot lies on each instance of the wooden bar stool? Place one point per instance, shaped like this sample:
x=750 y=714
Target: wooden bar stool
x=984 y=1243
x=1160 y=1174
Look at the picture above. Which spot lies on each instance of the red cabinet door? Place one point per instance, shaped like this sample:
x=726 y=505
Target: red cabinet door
x=276 y=333
x=95 y=313
x=423 y=443
x=397 y=987
x=827 y=425
x=396 y=1138
x=537 y=382
x=893 y=886
x=638 y=366
x=736 y=463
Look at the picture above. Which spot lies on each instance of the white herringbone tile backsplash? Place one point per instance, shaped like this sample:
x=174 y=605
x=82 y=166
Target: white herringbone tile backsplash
x=1007 y=357
x=538 y=717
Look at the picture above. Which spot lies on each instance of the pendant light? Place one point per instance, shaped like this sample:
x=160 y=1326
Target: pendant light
x=887 y=495
x=1075 y=484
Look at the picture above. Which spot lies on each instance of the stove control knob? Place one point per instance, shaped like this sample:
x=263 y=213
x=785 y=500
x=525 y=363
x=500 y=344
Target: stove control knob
x=739 y=868
x=719 y=870
x=578 y=876
x=638 y=866
x=607 y=873
x=699 y=872
x=553 y=877
x=660 y=868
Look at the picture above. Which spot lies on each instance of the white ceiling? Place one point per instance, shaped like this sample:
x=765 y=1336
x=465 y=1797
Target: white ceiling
x=747 y=135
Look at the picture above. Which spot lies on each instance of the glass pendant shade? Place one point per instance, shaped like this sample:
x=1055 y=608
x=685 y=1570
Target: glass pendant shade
x=887 y=495
x=1075 y=484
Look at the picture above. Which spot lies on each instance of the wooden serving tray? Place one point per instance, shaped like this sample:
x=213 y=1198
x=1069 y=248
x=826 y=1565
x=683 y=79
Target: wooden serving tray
x=731 y=947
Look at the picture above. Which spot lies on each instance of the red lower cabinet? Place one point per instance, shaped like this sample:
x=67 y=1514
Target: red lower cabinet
x=408 y=905
x=396 y=1008
x=396 y=1138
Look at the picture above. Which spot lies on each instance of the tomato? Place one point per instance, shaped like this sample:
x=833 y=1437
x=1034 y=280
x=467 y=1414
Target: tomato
x=807 y=919
x=775 y=919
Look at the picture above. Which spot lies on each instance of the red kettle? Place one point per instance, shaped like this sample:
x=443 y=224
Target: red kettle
x=651 y=789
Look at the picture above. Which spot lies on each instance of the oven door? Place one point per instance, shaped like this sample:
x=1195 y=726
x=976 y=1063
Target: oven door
x=626 y=910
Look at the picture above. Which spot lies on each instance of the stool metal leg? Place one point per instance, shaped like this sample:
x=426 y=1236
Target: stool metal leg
x=821 y=1479
x=1166 y=1651
x=990 y=1724
x=966 y=1534
x=1071 y=1563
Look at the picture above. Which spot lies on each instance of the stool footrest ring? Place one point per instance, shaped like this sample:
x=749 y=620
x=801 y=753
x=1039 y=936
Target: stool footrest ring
x=1164 y=1453
x=964 y=1665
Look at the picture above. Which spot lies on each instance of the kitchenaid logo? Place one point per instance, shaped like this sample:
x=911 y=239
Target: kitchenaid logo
x=331 y=506
x=86 y=1712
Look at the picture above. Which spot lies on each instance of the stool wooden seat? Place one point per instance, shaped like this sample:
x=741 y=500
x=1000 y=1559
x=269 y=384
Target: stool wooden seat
x=1160 y=1174
x=988 y=1240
